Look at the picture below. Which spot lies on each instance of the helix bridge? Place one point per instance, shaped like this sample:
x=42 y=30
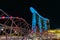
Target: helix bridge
x=10 y=25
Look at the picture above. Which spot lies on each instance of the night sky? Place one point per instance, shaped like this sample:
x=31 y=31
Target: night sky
x=20 y=8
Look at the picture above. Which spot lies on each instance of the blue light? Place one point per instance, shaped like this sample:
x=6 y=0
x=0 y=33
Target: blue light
x=35 y=12
x=34 y=22
x=34 y=19
x=40 y=24
x=45 y=24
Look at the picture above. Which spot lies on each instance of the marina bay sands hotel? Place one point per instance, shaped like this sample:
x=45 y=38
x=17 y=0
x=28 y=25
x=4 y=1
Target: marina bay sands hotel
x=38 y=20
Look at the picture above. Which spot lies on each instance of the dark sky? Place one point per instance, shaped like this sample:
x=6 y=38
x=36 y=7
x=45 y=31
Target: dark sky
x=47 y=8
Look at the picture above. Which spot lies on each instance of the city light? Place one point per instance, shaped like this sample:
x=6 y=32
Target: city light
x=3 y=17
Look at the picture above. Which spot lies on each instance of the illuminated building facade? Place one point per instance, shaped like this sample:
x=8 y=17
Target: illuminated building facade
x=38 y=19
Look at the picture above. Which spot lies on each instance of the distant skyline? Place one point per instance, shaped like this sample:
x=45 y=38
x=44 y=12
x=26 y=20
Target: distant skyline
x=47 y=8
